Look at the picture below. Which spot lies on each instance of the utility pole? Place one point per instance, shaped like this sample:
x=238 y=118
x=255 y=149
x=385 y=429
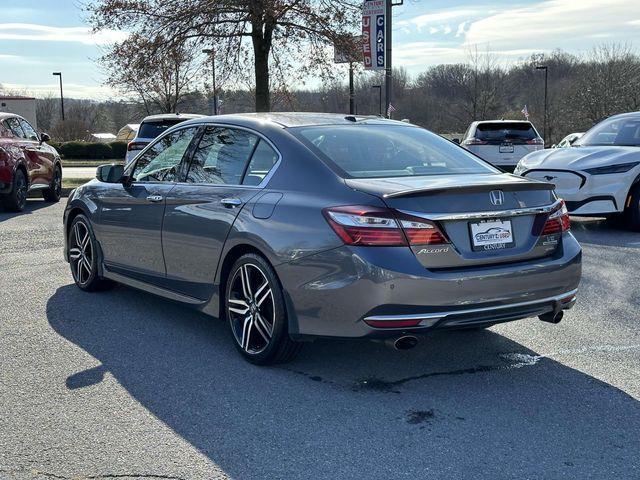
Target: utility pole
x=546 y=105
x=388 y=77
x=212 y=52
x=59 y=74
x=352 y=93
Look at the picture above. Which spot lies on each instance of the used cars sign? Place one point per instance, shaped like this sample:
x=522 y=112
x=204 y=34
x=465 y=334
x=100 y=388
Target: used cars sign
x=373 y=34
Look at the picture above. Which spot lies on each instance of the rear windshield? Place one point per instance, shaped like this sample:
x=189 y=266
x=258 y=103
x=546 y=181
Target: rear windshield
x=517 y=132
x=153 y=129
x=369 y=151
x=615 y=131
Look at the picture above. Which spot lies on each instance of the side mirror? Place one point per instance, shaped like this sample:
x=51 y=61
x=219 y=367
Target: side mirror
x=456 y=141
x=110 y=173
x=44 y=137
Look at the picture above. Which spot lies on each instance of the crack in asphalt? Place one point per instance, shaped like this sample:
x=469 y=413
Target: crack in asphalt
x=105 y=475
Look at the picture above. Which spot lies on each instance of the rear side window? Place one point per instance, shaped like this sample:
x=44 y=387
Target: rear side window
x=14 y=127
x=154 y=129
x=370 y=151
x=516 y=132
x=262 y=161
x=221 y=156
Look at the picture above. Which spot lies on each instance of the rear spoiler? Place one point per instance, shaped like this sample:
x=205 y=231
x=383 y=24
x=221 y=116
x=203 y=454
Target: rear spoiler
x=481 y=187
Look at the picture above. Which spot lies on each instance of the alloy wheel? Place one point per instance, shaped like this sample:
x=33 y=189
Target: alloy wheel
x=81 y=253
x=57 y=182
x=21 y=191
x=251 y=308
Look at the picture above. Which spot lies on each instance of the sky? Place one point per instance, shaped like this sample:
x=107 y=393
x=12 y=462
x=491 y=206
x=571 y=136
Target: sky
x=38 y=37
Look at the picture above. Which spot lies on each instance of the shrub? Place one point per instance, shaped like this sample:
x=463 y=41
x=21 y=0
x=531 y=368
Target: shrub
x=119 y=149
x=91 y=150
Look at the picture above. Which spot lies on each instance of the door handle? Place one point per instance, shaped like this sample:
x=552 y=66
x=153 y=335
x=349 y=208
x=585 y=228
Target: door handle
x=155 y=198
x=231 y=202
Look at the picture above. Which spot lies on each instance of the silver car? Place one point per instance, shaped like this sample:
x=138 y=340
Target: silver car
x=293 y=226
x=502 y=143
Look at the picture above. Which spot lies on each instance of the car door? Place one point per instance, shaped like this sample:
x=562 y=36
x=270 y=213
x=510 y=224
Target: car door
x=225 y=172
x=42 y=173
x=130 y=216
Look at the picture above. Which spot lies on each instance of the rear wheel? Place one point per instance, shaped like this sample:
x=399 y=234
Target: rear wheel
x=52 y=194
x=17 y=199
x=632 y=212
x=83 y=256
x=255 y=309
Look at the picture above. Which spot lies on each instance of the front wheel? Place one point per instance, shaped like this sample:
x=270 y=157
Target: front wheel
x=255 y=310
x=83 y=256
x=53 y=193
x=632 y=212
x=17 y=199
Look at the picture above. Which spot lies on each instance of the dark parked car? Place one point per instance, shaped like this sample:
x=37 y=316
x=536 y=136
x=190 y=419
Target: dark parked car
x=295 y=226
x=26 y=163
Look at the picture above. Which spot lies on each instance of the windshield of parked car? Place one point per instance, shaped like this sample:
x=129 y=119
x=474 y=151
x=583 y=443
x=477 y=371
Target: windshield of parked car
x=498 y=132
x=367 y=151
x=613 y=131
x=154 y=129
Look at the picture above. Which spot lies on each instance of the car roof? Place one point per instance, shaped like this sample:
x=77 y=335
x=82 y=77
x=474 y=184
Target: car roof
x=170 y=116
x=626 y=114
x=502 y=120
x=296 y=119
x=4 y=115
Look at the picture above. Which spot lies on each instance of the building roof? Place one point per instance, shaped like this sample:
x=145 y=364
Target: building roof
x=15 y=97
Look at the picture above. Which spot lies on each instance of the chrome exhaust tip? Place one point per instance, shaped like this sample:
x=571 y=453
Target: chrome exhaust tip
x=406 y=342
x=552 y=317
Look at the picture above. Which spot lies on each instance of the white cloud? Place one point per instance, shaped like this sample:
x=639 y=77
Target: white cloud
x=460 y=30
x=553 y=24
x=71 y=90
x=439 y=17
x=44 y=33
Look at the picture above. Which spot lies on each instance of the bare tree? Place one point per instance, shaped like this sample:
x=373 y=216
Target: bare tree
x=47 y=110
x=288 y=32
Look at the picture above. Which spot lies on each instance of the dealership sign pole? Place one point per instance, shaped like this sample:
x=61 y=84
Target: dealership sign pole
x=377 y=41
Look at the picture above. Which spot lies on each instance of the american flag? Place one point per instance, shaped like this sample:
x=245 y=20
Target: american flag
x=390 y=110
x=525 y=112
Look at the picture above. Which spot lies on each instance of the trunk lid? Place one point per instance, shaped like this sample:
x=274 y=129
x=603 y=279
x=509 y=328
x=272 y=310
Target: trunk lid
x=471 y=210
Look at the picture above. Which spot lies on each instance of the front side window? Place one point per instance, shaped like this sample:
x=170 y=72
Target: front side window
x=615 y=131
x=161 y=162
x=28 y=130
x=368 y=151
x=221 y=156
x=14 y=127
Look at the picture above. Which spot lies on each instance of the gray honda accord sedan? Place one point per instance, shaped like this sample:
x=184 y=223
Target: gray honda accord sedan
x=292 y=226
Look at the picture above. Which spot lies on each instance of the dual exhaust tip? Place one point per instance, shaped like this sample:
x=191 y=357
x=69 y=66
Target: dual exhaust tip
x=407 y=342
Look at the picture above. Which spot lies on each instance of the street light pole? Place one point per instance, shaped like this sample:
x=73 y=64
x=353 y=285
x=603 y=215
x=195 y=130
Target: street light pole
x=379 y=87
x=59 y=74
x=546 y=105
x=212 y=52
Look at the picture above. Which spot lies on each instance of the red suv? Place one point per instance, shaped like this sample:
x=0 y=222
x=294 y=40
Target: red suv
x=26 y=163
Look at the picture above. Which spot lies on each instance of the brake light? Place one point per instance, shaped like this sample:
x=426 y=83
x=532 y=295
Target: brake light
x=375 y=226
x=558 y=221
x=135 y=146
x=535 y=141
x=474 y=141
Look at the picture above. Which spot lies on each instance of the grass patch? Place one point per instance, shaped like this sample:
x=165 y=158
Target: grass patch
x=74 y=182
x=90 y=163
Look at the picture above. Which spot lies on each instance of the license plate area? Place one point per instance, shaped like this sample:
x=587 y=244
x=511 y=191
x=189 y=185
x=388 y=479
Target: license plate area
x=506 y=148
x=489 y=235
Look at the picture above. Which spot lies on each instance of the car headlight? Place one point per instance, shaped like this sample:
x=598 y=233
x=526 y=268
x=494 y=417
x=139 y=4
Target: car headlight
x=620 y=168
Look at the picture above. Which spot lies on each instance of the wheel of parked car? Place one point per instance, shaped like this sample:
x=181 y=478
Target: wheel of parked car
x=17 y=199
x=632 y=212
x=256 y=312
x=52 y=194
x=83 y=256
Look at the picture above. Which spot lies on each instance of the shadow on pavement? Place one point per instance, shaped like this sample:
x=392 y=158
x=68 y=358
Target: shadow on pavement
x=33 y=204
x=598 y=231
x=460 y=405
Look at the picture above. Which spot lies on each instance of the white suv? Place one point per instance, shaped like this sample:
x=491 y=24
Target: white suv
x=151 y=127
x=502 y=143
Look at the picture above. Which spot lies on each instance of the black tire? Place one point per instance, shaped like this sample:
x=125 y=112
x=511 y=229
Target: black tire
x=632 y=212
x=17 y=199
x=258 y=318
x=83 y=254
x=54 y=192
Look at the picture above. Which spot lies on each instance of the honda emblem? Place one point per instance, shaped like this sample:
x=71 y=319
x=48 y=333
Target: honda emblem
x=496 y=197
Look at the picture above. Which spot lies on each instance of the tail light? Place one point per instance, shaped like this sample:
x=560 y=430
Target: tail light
x=474 y=141
x=535 y=141
x=558 y=221
x=135 y=146
x=374 y=226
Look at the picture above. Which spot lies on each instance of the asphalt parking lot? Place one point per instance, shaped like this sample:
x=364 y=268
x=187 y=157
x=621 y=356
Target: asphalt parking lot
x=121 y=384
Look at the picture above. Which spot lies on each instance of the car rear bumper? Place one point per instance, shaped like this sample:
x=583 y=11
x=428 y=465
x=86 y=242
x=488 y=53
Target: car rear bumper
x=335 y=293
